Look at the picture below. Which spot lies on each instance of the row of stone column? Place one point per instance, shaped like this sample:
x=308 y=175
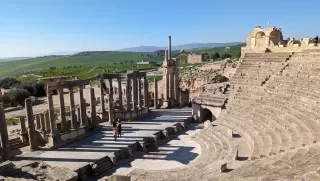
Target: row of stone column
x=81 y=110
x=134 y=97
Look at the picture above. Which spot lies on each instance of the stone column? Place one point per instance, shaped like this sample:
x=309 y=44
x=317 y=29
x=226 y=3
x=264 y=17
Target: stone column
x=146 y=92
x=78 y=115
x=139 y=97
x=169 y=47
x=42 y=122
x=128 y=93
x=62 y=111
x=110 y=101
x=93 y=108
x=51 y=112
x=82 y=106
x=120 y=93
x=176 y=88
x=180 y=98
x=134 y=92
x=72 y=109
x=24 y=132
x=102 y=97
x=155 y=93
x=4 y=133
x=171 y=87
x=166 y=94
x=47 y=119
x=31 y=128
x=37 y=118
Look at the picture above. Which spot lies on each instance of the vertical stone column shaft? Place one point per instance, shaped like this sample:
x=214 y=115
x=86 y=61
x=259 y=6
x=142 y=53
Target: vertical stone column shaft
x=22 y=121
x=169 y=47
x=82 y=106
x=103 y=109
x=155 y=93
x=62 y=111
x=176 y=87
x=47 y=119
x=4 y=133
x=42 y=122
x=146 y=92
x=166 y=93
x=128 y=93
x=51 y=112
x=31 y=128
x=37 y=118
x=110 y=101
x=134 y=92
x=120 y=93
x=72 y=109
x=139 y=97
x=93 y=108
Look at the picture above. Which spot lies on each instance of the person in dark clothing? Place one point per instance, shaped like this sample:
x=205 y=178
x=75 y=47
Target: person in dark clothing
x=119 y=128
x=114 y=123
x=316 y=40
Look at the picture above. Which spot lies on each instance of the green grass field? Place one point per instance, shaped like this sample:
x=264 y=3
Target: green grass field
x=88 y=64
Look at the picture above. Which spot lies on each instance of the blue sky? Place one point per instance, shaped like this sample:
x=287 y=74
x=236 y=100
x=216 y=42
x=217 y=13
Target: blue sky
x=38 y=27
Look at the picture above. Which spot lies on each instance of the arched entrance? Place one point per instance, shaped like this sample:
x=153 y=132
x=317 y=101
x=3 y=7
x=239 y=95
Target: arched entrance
x=260 y=39
x=206 y=114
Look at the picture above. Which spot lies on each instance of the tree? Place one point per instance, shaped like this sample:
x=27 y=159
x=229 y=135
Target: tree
x=239 y=54
x=225 y=55
x=215 y=56
x=18 y=96
x=8 y=83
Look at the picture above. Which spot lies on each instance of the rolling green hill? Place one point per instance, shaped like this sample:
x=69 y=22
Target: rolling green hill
x=87 y=64
x=84 y=59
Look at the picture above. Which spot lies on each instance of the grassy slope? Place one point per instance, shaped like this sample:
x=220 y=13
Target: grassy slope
x=233 y=51
x=88 y=60
x=15 y=68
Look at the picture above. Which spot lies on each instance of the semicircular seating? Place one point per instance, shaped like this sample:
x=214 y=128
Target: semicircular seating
x=273 y=105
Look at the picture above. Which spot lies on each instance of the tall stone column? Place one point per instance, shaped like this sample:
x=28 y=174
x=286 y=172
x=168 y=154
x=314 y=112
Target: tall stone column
x=103 y=109
x=37 y=118
x=171 y=87
x=72 y=109
x=169 y=47
x=22 y=121
x=42 y=122
x=134 y=92
x=110 y=101
x=180 y=98
x=4 y=133
x=24 y=132
x=93 y=108
x=155 y=93
x=166 y=95
x=146 y=92
x=62 y=111
x=82 y=106
x=176 y=88
x=78 y=115
x=47 y=119
x=51 y=112
x=128 y=93
x=31 y=128
x=139 y=86
x=120 y=93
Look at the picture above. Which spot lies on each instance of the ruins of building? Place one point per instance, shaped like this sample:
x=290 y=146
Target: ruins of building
x=190 y=58
x=271 y=40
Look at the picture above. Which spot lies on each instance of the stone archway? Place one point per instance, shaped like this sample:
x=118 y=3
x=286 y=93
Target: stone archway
x=206 y=114
x=260 y=39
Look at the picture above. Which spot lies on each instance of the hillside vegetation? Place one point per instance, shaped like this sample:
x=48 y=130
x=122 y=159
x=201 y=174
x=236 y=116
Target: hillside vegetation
x=88 y=64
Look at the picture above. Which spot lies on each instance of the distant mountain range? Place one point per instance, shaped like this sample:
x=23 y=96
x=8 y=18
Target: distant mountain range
x=178 y=47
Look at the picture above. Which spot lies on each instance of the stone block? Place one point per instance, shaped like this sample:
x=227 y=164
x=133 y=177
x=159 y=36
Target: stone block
x=223 y=167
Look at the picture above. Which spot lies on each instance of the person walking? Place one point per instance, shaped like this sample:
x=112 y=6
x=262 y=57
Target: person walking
x=115 y=133
x=119 y=128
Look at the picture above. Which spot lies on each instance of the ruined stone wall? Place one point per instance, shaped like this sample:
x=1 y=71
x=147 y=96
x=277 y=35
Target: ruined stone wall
x=295 y=48
x=193 y=58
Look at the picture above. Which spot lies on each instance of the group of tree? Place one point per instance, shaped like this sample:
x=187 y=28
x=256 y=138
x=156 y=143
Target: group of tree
x=20 y=90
